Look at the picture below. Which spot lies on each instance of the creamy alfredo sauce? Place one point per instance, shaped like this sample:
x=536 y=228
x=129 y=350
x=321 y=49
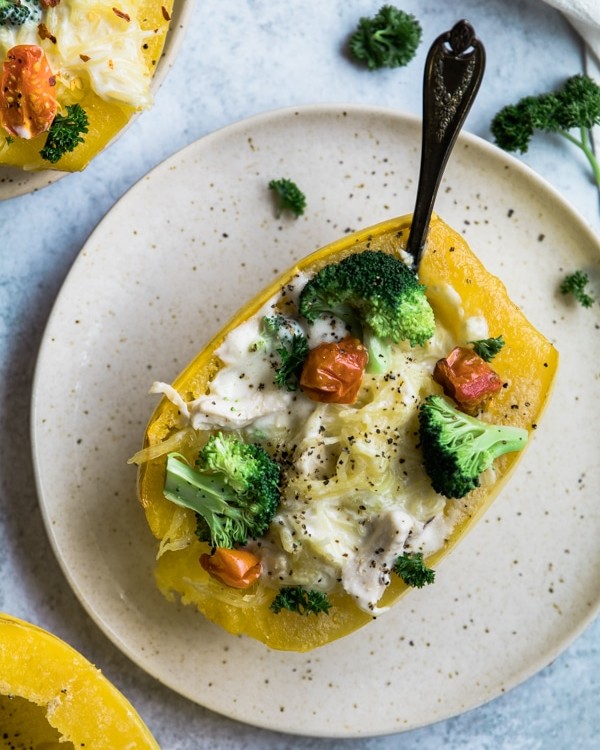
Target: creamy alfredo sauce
x=355 y=495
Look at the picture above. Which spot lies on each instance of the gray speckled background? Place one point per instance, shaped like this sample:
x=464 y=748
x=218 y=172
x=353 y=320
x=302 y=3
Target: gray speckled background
x=240 y=58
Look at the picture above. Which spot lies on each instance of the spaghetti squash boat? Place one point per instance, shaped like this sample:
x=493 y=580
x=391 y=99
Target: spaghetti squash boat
x=74 y=72
x=339 y=436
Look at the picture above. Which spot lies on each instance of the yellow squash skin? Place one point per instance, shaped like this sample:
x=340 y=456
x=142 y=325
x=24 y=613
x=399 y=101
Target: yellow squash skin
x=527 y=363
x=50 y=693
x=106 y=119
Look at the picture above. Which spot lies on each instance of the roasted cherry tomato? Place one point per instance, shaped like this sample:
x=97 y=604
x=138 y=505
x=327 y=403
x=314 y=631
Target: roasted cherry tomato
x=28 y=104
x=237 y=568
x=467 y=378
x=332 y=372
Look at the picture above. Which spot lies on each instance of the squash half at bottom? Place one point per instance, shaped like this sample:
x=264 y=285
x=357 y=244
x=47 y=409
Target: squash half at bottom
x=52 y=697
x=527 y=365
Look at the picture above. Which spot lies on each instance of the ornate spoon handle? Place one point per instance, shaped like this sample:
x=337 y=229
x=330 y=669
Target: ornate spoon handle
x=453 y=73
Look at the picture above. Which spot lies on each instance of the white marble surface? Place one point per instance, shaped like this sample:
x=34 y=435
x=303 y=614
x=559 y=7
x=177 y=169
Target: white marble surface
x=240 y=58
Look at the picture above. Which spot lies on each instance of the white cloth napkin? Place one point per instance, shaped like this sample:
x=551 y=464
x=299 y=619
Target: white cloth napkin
x=584 y=15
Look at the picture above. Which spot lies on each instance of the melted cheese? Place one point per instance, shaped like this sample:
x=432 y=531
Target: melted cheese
x=95 y=46
x=355 y=496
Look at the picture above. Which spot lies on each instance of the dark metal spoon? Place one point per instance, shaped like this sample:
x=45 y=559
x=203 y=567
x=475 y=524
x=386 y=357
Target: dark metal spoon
x=453 y=72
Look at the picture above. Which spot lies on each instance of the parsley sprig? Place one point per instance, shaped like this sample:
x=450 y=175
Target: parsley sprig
x=413 y=571
x=575 y=284
x=488 y=348
x=65 y=133
x=301 y=601
x=289 y=196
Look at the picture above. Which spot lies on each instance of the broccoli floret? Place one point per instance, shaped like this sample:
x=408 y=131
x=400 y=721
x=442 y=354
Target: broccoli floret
x=301 y=601
x=292 y=349
x=377 y=296
x=457 y=448
x=413 y=571
x=65 y=133
x=12 y=13
x=575 y=284
x=234 y=490
x=389 y=39
x=289 y=196
x=576 y=106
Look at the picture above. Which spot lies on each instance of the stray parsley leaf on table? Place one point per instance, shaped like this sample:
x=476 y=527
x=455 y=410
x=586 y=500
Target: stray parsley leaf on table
x=575 y=284
x=289 y=196
x=574 y=107
x=387 y=40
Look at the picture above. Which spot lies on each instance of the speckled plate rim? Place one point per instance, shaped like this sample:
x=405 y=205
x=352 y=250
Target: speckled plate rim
x=16 y=182
x=468 y=576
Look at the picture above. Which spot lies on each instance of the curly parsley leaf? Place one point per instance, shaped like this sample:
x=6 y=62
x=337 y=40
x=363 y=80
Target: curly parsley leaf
x=413 y=571
x=575 y=284
x=302 y=602
x=65 y=133
x=388 y=39
x=292 y=358
x=488 y=348
x=289 y=197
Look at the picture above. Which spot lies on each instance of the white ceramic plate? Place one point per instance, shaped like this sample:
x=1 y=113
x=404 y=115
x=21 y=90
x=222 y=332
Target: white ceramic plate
x=15 y=182
x=165 y=269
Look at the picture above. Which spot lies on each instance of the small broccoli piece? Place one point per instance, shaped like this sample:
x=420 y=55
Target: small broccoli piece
x=457 y=448
x=488 y=348
x=299 y=600
x=234 y=490
x=65 y=133
x=413 y=571
x=289 y=197
x=576 y=106
x=12 y=13
x=292 y=349
x=377 y=296
x=388 y=39
x=575 y=284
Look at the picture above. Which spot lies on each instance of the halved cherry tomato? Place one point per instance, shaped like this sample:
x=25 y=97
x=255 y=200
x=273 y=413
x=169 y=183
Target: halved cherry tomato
x=237 y=568
x=28 y=104
x=332 y=372
x=467 y=378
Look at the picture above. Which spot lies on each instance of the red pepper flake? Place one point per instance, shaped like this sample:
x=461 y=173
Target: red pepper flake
x=121 y=14
x=44 y=33
x=467 y=378
x=49 y=3
x=85 y=58
x=165 y=13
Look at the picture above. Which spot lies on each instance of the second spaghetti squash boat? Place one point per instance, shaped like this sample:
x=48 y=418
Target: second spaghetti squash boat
x=339 y=436
x=73 y=73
